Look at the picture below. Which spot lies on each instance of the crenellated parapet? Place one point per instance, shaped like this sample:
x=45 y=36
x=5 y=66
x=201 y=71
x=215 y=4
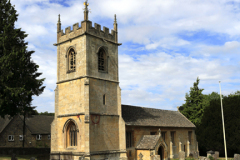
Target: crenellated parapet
x=87 y=28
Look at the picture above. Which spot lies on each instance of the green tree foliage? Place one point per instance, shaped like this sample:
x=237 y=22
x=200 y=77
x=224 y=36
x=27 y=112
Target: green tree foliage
x=210 y=132
x=195 y=104
x=46 y=113
x=18 y=73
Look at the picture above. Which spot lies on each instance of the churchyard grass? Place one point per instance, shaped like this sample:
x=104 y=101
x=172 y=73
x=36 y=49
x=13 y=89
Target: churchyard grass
x=19 y=157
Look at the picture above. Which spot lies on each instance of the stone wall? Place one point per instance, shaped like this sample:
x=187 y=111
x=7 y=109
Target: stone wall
x=24 y=151
x=15 y=128
x=181 y=135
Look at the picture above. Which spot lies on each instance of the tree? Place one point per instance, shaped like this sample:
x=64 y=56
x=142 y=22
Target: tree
x=210 y=131
x=18 y=73
x=47 y=114
x=195 y=104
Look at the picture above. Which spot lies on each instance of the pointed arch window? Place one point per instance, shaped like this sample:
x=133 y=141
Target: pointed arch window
x=71 y=60
x=71 y=135
x=102 y=60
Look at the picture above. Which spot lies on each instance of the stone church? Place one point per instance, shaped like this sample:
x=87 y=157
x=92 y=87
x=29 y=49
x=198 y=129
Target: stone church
x=90 y=122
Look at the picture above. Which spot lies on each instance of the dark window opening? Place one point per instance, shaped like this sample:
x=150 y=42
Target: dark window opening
x=129 y=139
x=104 y=99
x=163 y=135
x=153 y=133
x=72 y=60
x=130 y=153
x=11 y=138
x=190 y=136
x=101 y=60
x=172 y=138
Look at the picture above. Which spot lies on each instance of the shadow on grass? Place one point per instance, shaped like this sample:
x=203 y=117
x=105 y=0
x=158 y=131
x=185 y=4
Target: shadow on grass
x=19 y=157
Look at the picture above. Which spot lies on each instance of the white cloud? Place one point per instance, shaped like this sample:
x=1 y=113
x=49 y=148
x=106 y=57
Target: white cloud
x=166 y=76
x=157 y=78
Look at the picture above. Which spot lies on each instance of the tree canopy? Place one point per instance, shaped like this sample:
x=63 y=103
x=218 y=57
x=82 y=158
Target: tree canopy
x=195 y=104
x=18 y=72
x=210 y=132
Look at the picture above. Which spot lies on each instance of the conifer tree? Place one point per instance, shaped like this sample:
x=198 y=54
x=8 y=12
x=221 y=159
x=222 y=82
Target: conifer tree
x=195 y=104
x=18 y=72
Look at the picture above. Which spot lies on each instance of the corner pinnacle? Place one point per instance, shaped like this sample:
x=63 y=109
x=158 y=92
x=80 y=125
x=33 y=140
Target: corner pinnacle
x=59 y=19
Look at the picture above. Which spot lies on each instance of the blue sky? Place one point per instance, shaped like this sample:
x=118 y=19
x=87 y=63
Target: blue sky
x=166 y=45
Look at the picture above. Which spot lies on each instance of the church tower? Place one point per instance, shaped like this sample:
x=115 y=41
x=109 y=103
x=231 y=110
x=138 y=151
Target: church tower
x=88 y=122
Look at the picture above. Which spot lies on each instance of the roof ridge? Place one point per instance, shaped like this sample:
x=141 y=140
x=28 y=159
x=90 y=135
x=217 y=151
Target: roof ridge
x=185 y=117
x=148 y=108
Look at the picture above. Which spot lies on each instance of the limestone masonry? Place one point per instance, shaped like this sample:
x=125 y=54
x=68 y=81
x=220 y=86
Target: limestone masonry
x=90 y=122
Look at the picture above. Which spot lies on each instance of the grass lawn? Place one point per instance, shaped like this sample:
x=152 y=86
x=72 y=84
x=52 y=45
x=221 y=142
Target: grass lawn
x=20 y=157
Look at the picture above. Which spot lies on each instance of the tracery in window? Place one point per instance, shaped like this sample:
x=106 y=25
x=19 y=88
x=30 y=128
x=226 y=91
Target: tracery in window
x=72 y=134
x=128 y=139
x=101 y=60
x=72 y=60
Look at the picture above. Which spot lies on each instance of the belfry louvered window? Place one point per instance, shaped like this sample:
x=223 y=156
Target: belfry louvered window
x=102 y=60
x=72 y=60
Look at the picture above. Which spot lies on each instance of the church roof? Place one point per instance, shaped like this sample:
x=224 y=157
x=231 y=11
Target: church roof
x=148 y=142
x=141 y=116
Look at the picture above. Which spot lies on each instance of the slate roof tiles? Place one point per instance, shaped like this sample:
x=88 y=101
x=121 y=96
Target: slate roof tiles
x=141 y=116
x=148 y=142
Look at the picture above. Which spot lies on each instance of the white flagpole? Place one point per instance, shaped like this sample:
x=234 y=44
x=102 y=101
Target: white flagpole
x=225 y=145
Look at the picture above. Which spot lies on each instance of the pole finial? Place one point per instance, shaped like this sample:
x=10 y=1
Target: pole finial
x=86 y=10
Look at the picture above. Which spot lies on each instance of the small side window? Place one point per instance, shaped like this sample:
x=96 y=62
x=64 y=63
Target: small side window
x=173 y=137
x=153 y=133
x=20 y=137
x=11 y=138
x=190 y=136
x=129 y=139
x=104 y=99
x=39 y=137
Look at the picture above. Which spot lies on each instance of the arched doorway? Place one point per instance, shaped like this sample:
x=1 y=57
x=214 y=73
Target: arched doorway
x=161 y=152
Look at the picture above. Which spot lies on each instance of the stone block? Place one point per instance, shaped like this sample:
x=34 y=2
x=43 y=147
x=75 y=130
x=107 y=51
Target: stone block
x=155 y=157
x=181 y=155
x=14 y=157
x=210 y=153
x=236 y=156
x=216 y=155
x=195 y=155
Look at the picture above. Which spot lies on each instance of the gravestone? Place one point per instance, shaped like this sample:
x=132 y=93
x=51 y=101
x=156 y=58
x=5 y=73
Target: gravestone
x=181 y=155
x=236 y=156
x=195 y=155
x=13 y=157
x=155 y=157
x=210 y=153
x=203 y=158
x=32 y=158
x=216 y=155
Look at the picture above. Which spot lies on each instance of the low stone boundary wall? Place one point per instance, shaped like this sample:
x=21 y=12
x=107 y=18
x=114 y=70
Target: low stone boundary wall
x=24 y=151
